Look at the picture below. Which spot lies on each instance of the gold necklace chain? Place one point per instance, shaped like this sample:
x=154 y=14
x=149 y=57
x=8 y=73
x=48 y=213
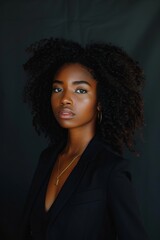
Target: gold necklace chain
x=59 y=175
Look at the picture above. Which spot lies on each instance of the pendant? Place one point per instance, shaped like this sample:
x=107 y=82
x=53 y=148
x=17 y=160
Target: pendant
x=57 y=181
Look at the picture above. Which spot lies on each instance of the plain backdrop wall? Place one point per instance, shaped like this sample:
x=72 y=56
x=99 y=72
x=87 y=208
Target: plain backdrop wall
x=133 y=25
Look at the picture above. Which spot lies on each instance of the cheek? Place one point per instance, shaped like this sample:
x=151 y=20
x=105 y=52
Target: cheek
x=88 y=105
x=53 y=101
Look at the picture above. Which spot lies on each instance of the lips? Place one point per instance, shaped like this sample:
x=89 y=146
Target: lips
x=66 y=113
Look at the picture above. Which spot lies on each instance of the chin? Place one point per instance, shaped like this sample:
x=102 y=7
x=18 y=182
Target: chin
x=66 y=124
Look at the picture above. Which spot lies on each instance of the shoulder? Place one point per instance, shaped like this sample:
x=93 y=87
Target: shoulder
x=117 y=170
x=49 y=151
x=46 y=152
x=46 y=157
x=111 y=162
x=106 y=154
x=119 y=174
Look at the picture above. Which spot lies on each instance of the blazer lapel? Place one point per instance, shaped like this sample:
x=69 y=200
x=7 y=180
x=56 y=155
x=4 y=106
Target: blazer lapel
x=74 y=178
x=46 y=163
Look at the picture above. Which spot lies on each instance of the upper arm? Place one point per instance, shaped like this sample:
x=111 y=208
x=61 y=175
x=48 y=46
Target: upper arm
x=123 y=205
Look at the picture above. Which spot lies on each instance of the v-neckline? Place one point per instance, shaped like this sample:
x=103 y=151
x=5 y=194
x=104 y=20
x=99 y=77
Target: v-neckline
x=71 y=184
x=48 y=179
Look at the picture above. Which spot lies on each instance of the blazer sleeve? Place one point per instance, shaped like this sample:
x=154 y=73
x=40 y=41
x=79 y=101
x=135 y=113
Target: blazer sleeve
x=123 y=205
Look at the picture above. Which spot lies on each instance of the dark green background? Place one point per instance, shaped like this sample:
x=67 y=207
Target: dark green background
x=133 y=25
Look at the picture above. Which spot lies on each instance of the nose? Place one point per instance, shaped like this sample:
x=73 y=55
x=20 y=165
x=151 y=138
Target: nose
x=66 y=98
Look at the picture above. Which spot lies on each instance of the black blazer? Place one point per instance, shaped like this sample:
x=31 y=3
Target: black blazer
x=97 y=202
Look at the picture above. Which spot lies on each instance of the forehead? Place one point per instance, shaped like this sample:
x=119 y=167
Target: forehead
x=74 y=70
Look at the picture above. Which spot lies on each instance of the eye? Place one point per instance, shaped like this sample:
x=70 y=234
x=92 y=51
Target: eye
x=56 y=90
x=81 y=91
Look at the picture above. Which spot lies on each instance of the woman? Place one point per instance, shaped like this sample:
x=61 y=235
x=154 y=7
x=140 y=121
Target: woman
x=87 y=101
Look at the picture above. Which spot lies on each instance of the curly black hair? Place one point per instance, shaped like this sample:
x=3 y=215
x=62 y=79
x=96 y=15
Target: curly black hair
x=120 y=81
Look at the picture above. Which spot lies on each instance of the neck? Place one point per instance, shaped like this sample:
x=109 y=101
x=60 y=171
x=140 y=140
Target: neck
x=78 y=140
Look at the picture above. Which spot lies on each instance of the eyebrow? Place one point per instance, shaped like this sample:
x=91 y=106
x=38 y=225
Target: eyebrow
x=74 y=83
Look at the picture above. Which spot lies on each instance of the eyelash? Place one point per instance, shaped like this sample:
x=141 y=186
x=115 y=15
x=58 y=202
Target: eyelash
x=56 y=90
x=81 y=91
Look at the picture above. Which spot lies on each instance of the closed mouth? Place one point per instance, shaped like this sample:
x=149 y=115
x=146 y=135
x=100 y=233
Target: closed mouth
x=65 y=113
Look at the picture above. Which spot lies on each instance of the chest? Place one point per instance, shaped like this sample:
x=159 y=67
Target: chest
x=57 y=179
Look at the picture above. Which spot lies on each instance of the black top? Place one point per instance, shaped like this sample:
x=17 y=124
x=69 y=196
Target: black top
x=97 y=201
x=39 y=217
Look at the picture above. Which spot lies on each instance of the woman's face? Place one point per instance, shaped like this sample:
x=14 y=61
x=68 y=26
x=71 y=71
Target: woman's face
x=74 y=97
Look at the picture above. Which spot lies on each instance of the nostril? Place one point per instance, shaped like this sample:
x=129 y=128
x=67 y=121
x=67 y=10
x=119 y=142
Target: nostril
x=66 y=97
x=66 y=101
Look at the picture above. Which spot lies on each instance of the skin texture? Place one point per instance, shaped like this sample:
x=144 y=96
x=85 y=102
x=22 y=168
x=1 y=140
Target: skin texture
x=120 y=83
x=74 y=98
x=75 y=107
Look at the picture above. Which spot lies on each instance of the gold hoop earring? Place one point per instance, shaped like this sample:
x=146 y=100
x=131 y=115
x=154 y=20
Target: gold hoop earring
x=99 y=117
